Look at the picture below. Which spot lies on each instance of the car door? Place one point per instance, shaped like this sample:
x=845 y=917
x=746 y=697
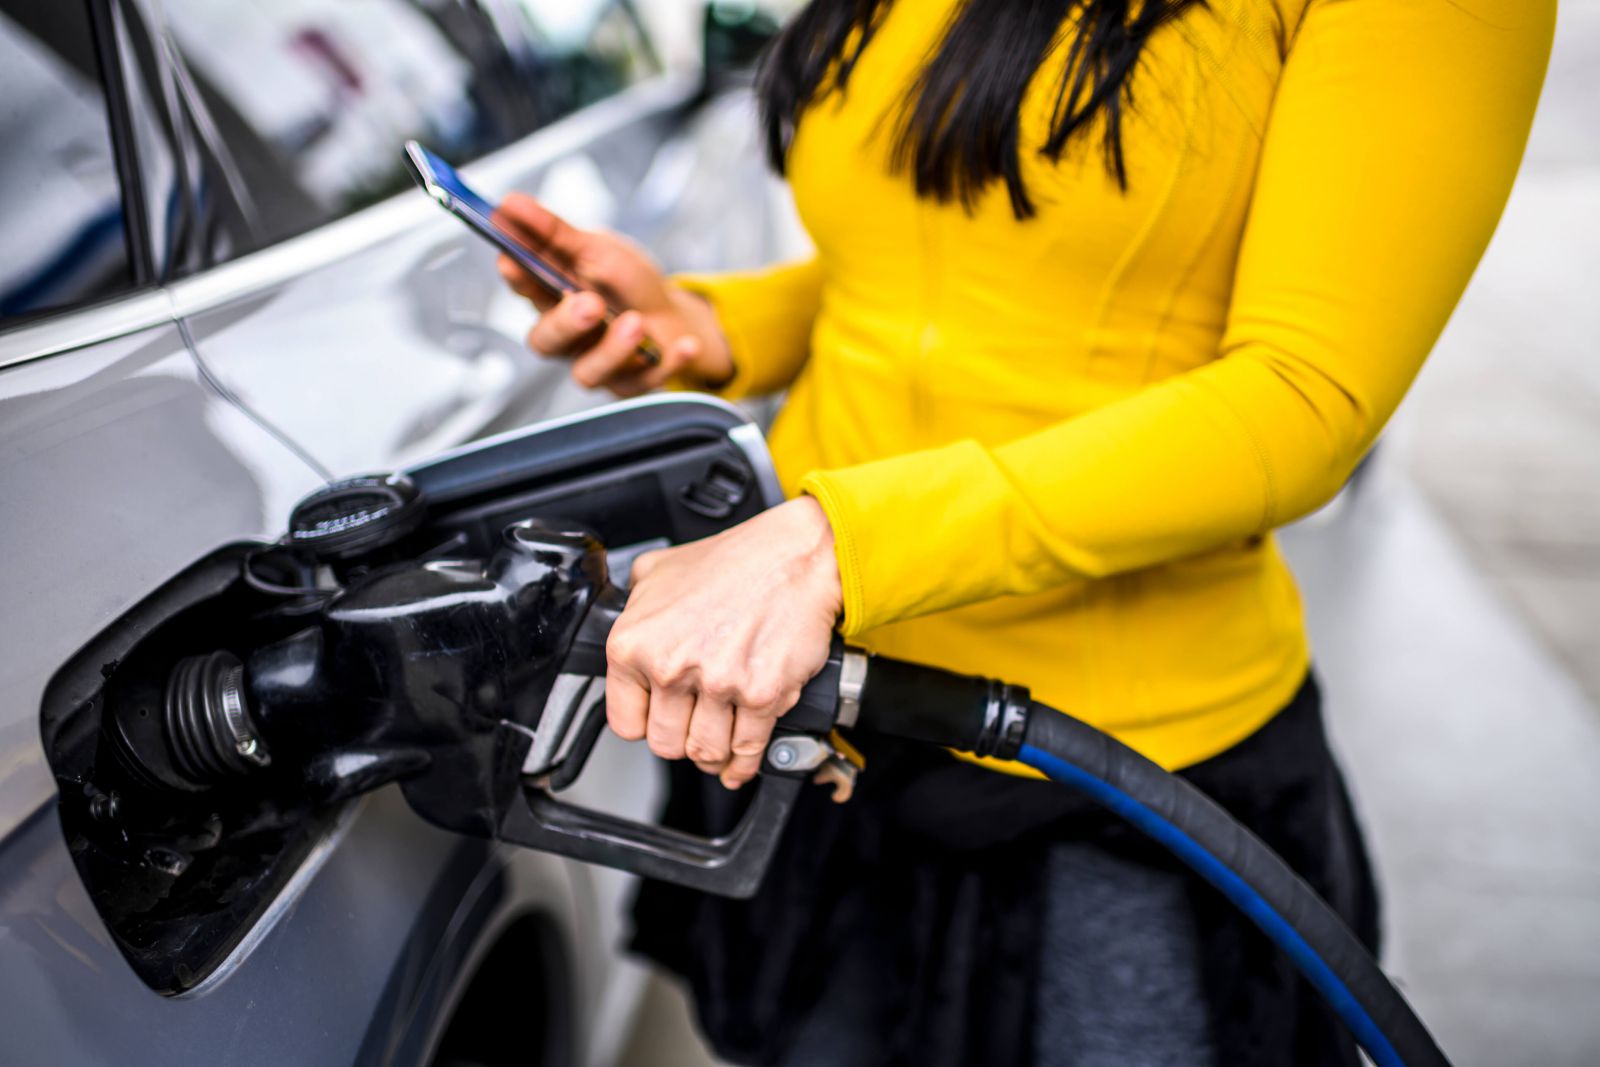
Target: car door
x=129 y=449
x=119 y=464
x=343 y=306
x=122 y=463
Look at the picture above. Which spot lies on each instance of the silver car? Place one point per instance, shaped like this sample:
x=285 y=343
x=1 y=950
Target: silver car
x=218 y=293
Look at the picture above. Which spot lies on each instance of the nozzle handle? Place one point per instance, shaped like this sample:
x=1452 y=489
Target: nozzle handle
x=817 y=711
x=730 y=866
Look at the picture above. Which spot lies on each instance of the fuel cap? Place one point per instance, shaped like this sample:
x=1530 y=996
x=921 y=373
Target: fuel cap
x=350 y=518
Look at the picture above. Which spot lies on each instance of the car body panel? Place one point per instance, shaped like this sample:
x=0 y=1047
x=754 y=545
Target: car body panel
x=389 y=335
x=336 y=975
x=379 y=339
x=140 y=434
x=121 y=465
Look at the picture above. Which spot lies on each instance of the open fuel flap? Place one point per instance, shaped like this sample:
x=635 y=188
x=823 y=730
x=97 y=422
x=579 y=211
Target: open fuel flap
x=418 y=627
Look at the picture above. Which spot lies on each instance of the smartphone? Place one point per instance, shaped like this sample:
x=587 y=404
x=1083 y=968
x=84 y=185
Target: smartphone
x=441 y=182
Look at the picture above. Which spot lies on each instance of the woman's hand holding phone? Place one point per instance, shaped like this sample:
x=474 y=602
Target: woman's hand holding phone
x=683 y=326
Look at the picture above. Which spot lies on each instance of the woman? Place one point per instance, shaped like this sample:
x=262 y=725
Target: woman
x=1104 y=292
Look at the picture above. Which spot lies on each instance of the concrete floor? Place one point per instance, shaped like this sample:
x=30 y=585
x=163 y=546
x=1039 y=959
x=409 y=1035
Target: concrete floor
x=1473 y=757
x=1454 y=604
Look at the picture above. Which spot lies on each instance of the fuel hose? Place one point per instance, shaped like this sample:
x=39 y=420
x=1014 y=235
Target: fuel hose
x=975 y=714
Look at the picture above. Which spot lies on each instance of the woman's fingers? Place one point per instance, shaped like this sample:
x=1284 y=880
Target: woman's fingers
x=701 y=634
x=569 y=327
x=679 y=724
x=612 y=353
x=614 y=272
x=752 y=729
x=667 y=730
x=710 y=734
x=542 y=229
x=594 y=258
x=627 y=703
x=523 y=284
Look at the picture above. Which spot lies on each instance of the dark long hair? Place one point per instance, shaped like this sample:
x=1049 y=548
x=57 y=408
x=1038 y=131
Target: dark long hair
x=959 y=129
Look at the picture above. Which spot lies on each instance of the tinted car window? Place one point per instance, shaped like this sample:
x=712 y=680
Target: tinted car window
x=306 y=103
x=61 y=220
x=581 y=51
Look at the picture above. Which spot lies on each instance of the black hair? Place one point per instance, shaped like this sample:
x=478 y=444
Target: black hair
x=959 y=128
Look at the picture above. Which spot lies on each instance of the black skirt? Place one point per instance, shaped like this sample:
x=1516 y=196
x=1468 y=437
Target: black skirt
x=941 y=868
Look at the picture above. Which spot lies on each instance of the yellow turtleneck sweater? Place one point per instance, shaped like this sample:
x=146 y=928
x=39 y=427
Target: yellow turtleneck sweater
x=1054 y=451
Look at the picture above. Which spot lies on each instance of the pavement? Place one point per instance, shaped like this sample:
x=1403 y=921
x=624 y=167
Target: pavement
x=1503 y=433
x=1472 y=755
x=1454 y=605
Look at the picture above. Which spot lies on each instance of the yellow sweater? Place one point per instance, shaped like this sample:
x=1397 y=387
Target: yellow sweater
x=1054 y=451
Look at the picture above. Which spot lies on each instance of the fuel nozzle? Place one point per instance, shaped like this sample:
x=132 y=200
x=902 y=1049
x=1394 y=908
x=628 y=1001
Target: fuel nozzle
x=433 y=668
x=474 y=684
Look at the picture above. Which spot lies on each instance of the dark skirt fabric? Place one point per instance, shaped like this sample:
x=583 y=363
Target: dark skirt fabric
x=909 y=925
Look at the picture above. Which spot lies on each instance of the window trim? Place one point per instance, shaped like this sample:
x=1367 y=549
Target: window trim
x=324 y=245
x=102 y=15
x=86 y=324
x=154 y=305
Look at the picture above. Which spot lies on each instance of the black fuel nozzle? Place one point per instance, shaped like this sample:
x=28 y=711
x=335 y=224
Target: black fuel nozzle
x=447 y=664
x=478 y=685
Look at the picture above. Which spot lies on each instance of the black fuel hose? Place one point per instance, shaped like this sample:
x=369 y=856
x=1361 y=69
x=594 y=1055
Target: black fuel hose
x=979 y=715
x=1258 y=882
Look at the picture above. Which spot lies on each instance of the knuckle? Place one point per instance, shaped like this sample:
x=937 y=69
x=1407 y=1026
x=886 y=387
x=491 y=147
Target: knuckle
x=666 y=671
x=602 y=261
x=703 y=751
x=749 y=747
x=719 y=685
x=761 y=694
x=622 y=647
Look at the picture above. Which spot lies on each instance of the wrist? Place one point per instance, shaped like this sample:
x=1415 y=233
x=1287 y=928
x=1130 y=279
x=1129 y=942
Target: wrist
x=816 y=546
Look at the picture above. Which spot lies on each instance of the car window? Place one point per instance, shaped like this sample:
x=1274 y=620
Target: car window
x=61 y=218
x=306 y=104
x=582 y=51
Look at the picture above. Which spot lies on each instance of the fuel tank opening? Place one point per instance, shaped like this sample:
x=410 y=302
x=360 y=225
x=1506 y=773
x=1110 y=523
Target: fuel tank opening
x=209 y=726
x=180 y=828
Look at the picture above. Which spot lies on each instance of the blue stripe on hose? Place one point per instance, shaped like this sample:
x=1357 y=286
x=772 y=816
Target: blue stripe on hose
x=1235 y=888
